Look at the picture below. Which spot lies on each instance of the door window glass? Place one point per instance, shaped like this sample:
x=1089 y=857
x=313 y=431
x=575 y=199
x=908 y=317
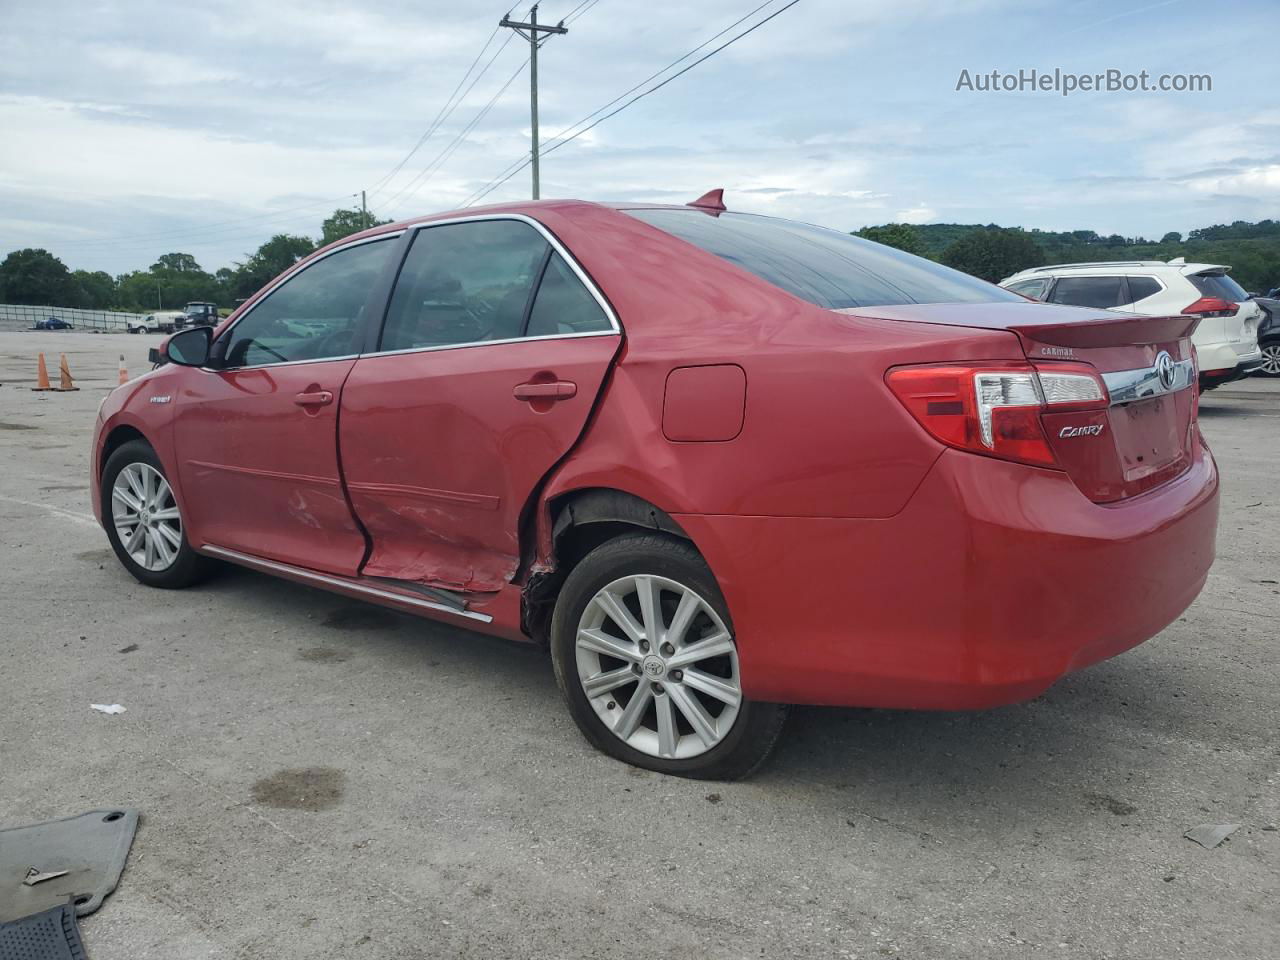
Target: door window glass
x=465 y=283
x=1089 y=291
x=563 y=305
x=315 y=314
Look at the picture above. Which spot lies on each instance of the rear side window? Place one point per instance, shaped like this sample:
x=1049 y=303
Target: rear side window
x=1142 y=287
x=465 y=283
x=825 y=267
x=1031 y=288
x=1089 y=291
x=1218 y=285
x=563 y=305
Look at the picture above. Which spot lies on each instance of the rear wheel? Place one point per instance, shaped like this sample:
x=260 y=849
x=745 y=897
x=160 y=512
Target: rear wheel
x=1271 y=359
x=646 y=658
x=144 y=521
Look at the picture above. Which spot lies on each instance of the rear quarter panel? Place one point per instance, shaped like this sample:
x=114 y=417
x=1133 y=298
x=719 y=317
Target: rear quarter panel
x=821 y=434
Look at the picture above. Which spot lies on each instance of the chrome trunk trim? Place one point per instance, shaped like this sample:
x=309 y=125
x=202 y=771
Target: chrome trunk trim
x=1163 y=377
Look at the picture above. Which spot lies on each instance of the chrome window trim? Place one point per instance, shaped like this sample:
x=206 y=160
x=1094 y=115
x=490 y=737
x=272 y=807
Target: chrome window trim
x=263 y=565
x=298 y=268
x=556 y=245
x=1128 y=386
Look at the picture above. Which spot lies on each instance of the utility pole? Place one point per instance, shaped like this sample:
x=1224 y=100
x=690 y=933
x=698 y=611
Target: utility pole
x=532 y=36
x=364 y=215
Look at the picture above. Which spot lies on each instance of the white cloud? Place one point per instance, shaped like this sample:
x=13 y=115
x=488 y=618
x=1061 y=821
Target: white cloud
x=920 y=213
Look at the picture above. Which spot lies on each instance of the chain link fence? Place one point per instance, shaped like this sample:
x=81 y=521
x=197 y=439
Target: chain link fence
x=19 y=317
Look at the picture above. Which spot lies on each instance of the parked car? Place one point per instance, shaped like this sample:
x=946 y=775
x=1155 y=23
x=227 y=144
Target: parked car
x=200 y=312
x=165 y=321
x=52 y=323
x=1269 y=336
x=716 y=462
x=1226 y=339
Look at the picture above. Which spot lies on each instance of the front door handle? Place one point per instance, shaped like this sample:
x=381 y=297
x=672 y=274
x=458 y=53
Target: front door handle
x=554 y=390
x=317 y=398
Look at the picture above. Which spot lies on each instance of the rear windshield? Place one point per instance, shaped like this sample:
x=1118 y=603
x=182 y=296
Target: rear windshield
x=825 y=267
x=1218 y=285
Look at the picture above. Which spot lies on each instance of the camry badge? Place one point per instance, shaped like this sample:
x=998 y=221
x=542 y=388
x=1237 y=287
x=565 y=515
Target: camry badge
x=1092 y=430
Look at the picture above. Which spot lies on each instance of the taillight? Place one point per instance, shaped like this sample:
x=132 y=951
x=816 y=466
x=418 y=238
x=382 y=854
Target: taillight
x=995 y=409
x=1212 y=307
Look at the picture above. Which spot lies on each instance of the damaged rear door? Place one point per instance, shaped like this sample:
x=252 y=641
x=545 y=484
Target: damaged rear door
x=494 y=347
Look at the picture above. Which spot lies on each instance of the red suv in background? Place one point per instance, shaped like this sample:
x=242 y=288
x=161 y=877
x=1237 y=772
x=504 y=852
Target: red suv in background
x=717 y=462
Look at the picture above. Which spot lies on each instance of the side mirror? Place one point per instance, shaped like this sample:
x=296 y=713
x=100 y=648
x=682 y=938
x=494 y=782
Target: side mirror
x=188 y=348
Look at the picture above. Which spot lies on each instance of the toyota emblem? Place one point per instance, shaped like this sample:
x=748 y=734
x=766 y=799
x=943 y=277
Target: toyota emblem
x=1165 y=370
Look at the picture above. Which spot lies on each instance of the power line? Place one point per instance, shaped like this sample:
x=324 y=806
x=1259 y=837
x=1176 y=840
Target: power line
x=439 y=118
x=515 y=166
x=507 y=175
x=532 y=32
x=427 y=172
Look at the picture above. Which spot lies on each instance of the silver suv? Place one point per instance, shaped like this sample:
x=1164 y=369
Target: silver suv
x=1226 y=339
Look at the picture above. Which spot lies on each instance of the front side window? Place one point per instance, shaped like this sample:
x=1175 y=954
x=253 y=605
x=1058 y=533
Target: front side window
x=465 y=283
x=315 y=314
x=1103 y=292
x=825 y=267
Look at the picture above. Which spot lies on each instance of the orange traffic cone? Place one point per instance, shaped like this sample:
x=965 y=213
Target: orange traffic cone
x=64 y=377
x=42 y=375
x=124 y=374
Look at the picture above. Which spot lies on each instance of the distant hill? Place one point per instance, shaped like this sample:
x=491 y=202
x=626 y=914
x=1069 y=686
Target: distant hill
x=1252 y=250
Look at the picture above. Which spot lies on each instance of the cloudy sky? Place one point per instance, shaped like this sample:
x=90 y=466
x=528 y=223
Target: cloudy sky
x=132 y=129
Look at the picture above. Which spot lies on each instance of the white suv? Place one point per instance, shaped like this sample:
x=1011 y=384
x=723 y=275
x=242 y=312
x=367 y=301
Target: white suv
x=1226 y=339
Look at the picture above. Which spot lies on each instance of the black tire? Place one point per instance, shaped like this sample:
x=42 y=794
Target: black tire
x=757 y=726
x=188 y=567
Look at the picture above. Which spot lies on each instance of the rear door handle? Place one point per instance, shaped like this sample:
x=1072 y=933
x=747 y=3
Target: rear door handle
x=555 y=390
x=317 y=399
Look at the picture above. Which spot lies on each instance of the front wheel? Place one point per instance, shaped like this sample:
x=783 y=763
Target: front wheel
x=1270 y=359
x=647 y=661
x=144 y=522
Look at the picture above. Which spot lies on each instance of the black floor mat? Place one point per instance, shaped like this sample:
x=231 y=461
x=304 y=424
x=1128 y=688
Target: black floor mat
x=52 y=935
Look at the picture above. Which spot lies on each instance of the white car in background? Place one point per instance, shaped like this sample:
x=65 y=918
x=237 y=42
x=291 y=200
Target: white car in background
x=164 y=321
x=1226 y=340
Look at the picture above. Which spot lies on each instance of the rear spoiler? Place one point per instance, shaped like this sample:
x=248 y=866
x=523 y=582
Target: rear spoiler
x=1120 y=330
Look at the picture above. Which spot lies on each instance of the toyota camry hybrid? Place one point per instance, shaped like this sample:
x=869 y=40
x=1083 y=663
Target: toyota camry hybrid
x=717 y=462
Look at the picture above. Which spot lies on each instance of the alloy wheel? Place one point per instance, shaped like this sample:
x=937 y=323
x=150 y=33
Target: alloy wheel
x=658 y=666
x=1271 y=359
x=146 y=517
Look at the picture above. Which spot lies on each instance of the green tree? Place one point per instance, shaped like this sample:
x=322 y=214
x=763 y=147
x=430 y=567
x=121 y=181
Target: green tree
x=1173 y=236
x=344 y=223
x=37 y=277
x=993 y=253
x=901 y=236
x=176 y=263
x=270 y=260
x=94 y=291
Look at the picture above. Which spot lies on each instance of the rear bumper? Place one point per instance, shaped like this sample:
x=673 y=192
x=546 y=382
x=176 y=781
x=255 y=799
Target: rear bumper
x=993 y=582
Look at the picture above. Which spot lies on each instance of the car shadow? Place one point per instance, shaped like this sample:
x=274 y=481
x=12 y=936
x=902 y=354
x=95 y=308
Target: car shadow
x=1093 y=730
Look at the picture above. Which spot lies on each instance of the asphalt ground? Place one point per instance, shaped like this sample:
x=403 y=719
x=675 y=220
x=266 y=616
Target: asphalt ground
x=323 y=779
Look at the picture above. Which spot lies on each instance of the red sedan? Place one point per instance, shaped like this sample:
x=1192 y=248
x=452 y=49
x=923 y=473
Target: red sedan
x=716 y=462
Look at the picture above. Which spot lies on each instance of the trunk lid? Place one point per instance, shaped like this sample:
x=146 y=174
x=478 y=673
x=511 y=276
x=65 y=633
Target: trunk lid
x=1146 y=434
